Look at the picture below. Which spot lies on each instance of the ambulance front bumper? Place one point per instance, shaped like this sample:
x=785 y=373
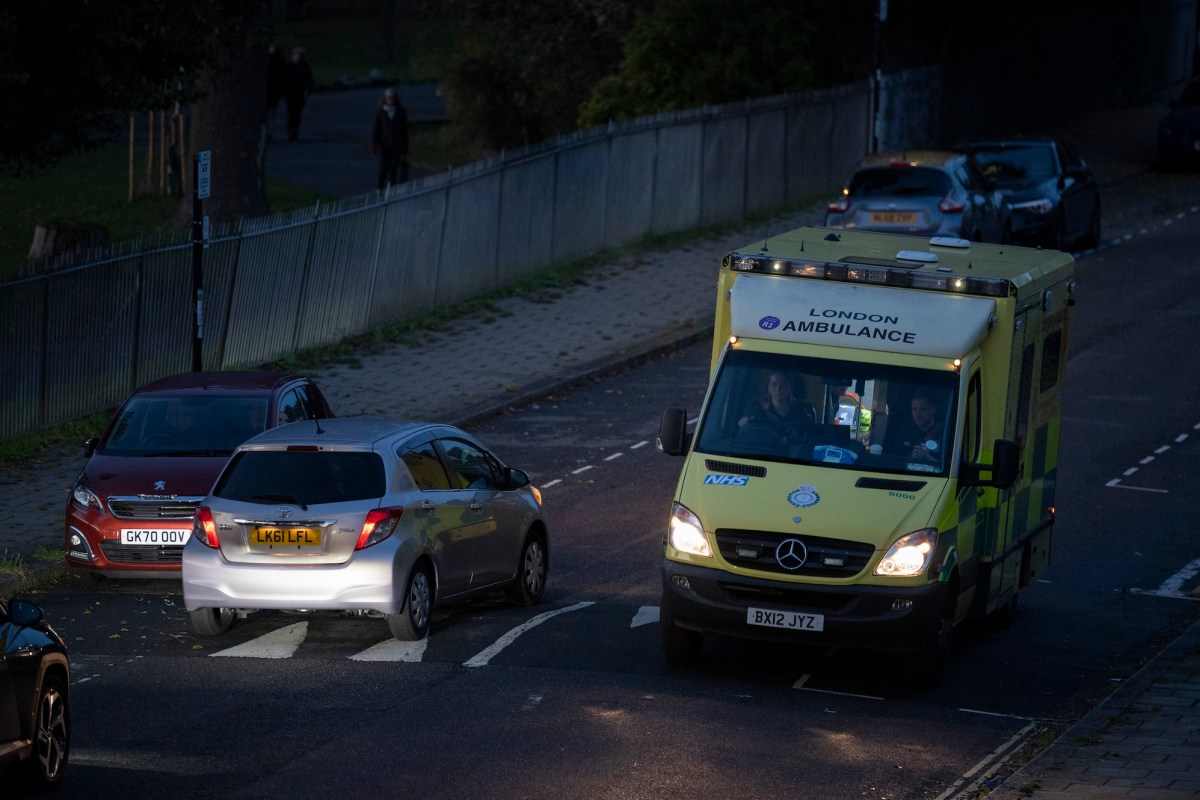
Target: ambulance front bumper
x=851 y=616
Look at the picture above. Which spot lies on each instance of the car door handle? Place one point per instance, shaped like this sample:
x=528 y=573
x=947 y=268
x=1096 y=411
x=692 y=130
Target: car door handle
x=475 y=507
x=427 y=506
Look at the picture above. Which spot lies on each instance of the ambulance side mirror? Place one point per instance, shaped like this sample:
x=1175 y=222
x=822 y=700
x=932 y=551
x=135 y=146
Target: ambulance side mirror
x=1003 y=469
x=673 y=437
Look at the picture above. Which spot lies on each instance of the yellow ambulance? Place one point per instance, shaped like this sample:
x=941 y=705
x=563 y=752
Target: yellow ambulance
x=876 y=455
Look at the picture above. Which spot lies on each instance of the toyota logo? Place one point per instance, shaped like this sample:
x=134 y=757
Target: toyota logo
x=791 y=554
x=283 y=512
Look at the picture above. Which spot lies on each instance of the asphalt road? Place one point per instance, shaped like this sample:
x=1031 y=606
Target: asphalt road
x=572 y=698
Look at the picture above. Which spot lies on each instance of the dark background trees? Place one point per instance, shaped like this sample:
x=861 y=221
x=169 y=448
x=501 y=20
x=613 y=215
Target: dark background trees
x=72 y=70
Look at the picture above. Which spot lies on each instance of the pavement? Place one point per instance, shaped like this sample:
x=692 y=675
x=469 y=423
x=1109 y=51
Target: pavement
x=1142 y=741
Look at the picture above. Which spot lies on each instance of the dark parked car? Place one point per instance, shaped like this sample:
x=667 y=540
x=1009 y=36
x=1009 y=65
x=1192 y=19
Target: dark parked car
x=1052 y=194
x=922 y=193
x=1179 y=132
x=130 y=511
x=35 y=687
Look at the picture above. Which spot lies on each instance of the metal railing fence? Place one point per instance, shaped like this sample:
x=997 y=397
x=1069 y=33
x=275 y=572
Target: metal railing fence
x=77 y=340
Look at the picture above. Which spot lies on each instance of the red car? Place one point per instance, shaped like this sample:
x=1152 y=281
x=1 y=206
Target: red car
x=130 y=511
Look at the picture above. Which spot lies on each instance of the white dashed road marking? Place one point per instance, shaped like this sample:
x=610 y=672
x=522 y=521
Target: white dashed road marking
x=280 y=643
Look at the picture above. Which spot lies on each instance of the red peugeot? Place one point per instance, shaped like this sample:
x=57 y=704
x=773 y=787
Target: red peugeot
x=130 y=511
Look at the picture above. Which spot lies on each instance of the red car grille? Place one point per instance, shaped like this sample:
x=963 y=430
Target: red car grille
x=141 y=554
x=153 y=507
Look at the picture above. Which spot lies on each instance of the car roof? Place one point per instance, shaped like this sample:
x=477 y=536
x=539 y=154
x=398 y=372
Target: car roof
x=1007 y=141
x=219 y=382
x=345 y=431
x=914 y=158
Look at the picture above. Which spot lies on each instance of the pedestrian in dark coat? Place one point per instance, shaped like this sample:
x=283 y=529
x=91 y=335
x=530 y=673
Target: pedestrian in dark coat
x=389 y=139
x=296 y=89
x=277 y=69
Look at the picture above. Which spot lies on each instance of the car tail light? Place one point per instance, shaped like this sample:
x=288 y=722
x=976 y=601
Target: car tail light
x=379 y=524
x=949 y=205
x=841 y=205
x=204 y=530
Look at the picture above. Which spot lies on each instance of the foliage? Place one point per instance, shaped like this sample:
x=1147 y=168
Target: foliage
x=519 y=71
x=687 y=54
x=68 y=67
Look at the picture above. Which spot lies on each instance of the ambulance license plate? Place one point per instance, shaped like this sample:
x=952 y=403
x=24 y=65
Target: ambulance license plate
x=792 y=620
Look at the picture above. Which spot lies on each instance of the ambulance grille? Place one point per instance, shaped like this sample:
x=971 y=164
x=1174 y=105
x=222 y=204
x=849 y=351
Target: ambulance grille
x=712 y=465
x=824 y=558
x=890 y=485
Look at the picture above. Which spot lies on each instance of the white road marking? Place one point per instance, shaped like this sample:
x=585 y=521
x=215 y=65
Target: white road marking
x=532 y=702
x=281 y=643
x=1162 y=449
x=614 y=456
x=988 y=765
x=642 y=443
x=1115 y=483
x=1181 y=438
x=482 y=658
x=394 y=650
x=645 y=616
x=581 y=469
x=548 y=484
x=1172 y=586
x=804 y=679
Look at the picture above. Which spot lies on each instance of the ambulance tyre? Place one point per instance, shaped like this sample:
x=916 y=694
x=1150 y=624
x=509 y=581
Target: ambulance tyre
x=680 y=646
x=1003 y=617
x=923 y=666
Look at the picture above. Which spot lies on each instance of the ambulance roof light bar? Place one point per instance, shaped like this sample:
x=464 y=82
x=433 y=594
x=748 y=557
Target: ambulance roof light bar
x=878 y=275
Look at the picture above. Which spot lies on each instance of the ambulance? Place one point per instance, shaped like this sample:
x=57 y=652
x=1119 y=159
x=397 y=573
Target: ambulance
x=876 y=456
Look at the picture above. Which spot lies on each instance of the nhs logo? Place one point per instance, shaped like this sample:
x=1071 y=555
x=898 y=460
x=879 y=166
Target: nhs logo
x=727 y=480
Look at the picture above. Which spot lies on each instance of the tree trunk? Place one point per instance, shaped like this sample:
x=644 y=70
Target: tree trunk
x=230 y=122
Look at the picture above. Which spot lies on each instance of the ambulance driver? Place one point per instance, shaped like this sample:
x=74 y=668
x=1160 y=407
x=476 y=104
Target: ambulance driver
x=781 y=409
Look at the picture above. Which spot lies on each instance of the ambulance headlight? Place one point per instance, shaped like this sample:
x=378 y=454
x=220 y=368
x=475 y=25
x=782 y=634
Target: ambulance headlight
x=910 y=555
x=687 y=534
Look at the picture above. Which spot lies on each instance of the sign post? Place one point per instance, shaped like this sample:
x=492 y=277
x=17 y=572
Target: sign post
x=201 y=188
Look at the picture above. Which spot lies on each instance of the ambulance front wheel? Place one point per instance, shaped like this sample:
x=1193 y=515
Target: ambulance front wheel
x=680 y=646
x=923 y=666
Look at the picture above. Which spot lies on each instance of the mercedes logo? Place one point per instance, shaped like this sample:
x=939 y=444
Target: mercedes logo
x=791 y=554
x=283 y=512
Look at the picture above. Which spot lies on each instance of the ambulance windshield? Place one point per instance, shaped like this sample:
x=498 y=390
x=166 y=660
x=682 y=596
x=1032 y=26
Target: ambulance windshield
x=804 y=410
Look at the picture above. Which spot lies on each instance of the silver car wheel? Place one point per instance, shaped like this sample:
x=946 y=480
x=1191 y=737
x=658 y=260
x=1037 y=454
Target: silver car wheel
x=527 y=587
x=51 y=740
x=410 y=622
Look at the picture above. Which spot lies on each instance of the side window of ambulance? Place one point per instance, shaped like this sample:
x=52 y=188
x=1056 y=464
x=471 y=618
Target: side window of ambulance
x=1023 y=394
x=1051 y=361
x=973 y=420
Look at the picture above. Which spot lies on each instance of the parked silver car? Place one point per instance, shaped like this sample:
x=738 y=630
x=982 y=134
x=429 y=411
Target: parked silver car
x=921 y=193
x=380 y=516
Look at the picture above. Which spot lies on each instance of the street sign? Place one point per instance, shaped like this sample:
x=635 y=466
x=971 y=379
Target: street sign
x=203 y=174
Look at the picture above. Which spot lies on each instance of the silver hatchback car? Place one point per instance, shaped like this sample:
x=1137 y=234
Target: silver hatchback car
x=366 y=515
x=921 y=193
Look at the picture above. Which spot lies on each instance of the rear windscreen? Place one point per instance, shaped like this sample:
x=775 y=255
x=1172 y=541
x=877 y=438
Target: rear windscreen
x=302 y=477
x=900 y=182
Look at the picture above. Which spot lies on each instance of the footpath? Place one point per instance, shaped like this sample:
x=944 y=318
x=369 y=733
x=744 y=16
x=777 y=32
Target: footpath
x=1142 y=742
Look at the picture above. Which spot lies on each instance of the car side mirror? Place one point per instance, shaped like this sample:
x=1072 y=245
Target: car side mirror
x=517 y=477
x=24 y=612
x=89 y=446
x=1003 y=469
x=673 y=438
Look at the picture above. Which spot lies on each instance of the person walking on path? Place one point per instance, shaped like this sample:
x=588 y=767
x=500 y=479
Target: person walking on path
x=277 y=69
x=296 y=89
x=389 y=139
